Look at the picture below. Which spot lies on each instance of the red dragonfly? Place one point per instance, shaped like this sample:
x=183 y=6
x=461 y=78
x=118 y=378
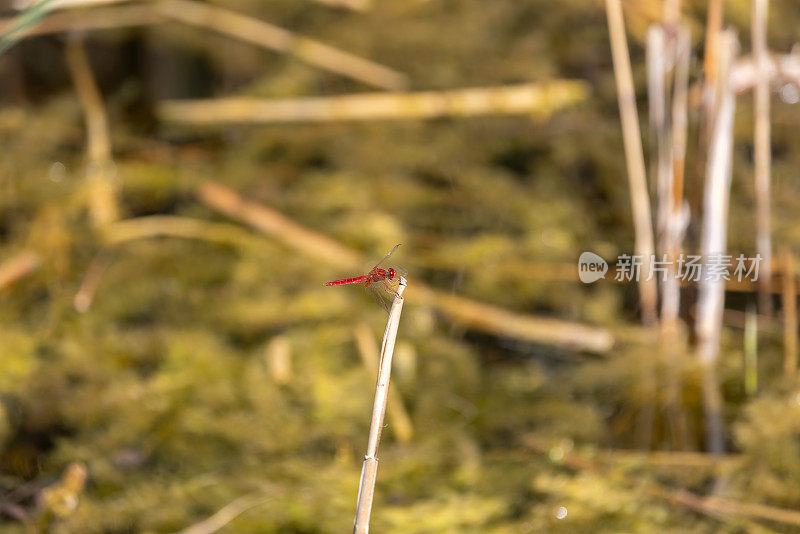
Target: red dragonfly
x=379 y=282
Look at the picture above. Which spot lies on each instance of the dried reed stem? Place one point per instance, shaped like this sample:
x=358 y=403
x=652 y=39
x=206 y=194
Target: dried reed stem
x=88 y=19
x=226 y=514
x=637 y=178
x=172 y=226
x=18 y=267
x=677 y=211
x=710 y=506
x=91 y=280
x=278 y=354
x=672 y=458
x=751 y=351
x=355 y=5
x=267 y=35
x=100 y=169
x=713 y=243
x=748 y=72
x=711 y=60
x=762 y=155
x=481 y=316
x=789 y=316
x=716 y=199
x=661 y=167
x=529 y=98
x=672 y=13
x=68 y=4
x=368 y=350
x=369 y=470
x=665 y=47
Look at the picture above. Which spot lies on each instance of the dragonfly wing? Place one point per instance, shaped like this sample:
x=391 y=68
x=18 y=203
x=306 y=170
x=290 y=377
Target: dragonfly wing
x=375 y=292
x=386 y=257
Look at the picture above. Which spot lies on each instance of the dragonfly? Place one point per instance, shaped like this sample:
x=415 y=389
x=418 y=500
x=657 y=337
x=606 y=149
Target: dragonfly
x=380 y=282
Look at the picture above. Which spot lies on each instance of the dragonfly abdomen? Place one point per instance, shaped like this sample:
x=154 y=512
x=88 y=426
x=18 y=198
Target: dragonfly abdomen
x=343 y=281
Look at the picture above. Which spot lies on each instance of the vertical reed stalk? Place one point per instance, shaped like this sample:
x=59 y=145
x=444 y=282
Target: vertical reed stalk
x=762 y=154
x=369 y=470
x=675 y=229
x=751 y=351
x=713 y=243
x=677 y=213
x=637 y=179
x=398 y=416
x=789 y=316
x=103 y=208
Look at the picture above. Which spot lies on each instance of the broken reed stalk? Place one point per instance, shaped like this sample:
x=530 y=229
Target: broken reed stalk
x=761 y=153
x=369 y=470
x=634 y=157
x=716 y=199
x=267 y=35
x=789 y=316
x=484 y=317
x=529 y=98
x=100 y=168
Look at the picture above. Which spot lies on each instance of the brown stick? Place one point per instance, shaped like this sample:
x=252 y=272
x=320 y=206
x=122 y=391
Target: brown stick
x=18 y=267
x=637 y=178
x=762 y=155
x=481 y=316
x=267 y=35
x=789 y=316
x=530 y=98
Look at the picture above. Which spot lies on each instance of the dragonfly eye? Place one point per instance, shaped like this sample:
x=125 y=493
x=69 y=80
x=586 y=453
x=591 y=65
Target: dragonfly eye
x=392 y=273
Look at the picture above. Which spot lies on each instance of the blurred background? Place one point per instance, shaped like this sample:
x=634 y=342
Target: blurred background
x=179 y=178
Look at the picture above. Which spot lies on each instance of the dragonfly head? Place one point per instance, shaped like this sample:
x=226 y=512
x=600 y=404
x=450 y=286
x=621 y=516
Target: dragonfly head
x=392 y=273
